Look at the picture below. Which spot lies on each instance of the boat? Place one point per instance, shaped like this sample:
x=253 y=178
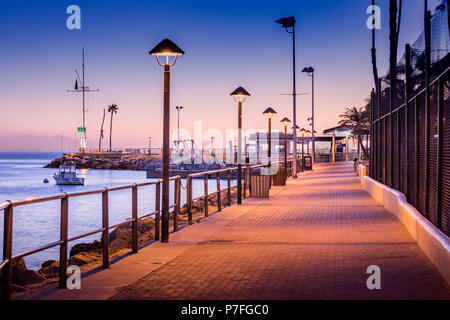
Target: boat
x=45 y=180
x=67 y=175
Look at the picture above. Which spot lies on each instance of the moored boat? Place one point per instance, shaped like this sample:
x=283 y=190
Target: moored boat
x=67 y=175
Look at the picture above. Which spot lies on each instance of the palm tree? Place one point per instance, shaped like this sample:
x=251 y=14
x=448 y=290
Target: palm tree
x=374 y=56
x=113 y=109
x=360 y=119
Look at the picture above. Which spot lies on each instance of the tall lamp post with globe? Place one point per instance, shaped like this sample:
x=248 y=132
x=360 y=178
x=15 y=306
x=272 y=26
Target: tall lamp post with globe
x=166 y=53
x=310 y=72
x=239 y=95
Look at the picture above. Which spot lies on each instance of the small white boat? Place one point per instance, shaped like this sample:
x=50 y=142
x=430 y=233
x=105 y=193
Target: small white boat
x=67 y=175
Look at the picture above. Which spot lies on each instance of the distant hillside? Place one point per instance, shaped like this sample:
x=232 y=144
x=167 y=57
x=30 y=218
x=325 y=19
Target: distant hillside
x=36 y=143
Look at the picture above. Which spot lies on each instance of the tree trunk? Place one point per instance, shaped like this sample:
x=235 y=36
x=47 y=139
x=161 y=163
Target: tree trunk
x=393 y=43
x=110 y=133
x=374 y=57
x=364 y=150
x=359 y=147
x=101 y=132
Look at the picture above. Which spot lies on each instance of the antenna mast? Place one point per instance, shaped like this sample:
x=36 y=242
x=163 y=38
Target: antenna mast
x=83 y=90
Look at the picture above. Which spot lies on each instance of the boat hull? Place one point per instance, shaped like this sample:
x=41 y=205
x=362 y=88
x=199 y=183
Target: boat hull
x=69 y=181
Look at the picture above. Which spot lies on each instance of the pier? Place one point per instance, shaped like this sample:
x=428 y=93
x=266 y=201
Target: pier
x=313 y=239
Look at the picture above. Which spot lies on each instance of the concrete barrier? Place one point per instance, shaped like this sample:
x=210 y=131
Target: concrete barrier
x=434 y=243
x=361 y=171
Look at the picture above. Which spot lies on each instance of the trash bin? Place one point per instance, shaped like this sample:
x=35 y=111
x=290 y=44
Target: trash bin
x=279 y=179
x=307 y=163
x=259 y=184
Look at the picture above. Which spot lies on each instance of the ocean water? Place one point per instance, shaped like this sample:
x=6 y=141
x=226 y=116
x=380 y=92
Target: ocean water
x=21 y=177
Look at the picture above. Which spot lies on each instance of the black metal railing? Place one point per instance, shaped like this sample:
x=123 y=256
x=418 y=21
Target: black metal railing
x=410 y=125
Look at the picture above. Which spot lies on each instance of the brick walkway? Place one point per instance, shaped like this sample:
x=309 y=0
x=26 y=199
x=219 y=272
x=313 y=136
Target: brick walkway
x=312 y=240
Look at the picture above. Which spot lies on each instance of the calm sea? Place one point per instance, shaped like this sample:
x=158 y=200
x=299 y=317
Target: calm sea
x=22 y=175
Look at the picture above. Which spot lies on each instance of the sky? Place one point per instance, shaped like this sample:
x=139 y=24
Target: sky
x=227 y=43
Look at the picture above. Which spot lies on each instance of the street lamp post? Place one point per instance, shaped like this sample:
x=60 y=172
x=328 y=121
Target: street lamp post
x=307 y=141
x=179 y=108
x=269 y=113
x=170 y=51
x=285 y=123
x=239 y=95
x=310 y=72
x=289 y=22
x=303 y=131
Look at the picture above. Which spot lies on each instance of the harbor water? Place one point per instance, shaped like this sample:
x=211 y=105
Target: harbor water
x=21 y=177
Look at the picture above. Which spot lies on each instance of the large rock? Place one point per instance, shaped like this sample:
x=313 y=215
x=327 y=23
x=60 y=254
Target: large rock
x=50 y=269
x=22 y=276
x=83 y=258
x=86 y=247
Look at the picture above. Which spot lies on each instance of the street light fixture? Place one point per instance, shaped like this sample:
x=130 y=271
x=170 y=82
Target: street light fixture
x=269 y=112
x=310 y=72
x=170 y=51
x=239 y=95
x=285 y=123
x=289 y=22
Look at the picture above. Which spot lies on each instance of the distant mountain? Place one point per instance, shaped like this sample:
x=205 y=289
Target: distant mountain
x=36 y=143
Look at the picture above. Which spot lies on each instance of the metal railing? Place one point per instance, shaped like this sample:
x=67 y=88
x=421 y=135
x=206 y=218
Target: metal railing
x=63 y=242
x=206 y=195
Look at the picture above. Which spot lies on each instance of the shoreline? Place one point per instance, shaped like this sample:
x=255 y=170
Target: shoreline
x=107 y=161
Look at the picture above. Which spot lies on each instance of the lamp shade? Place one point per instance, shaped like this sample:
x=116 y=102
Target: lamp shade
x=308 y=70
x=168 y=49
x=302 y=130
x=269 y=112
x=285 y=122
x=287 y=22
x=240 y=94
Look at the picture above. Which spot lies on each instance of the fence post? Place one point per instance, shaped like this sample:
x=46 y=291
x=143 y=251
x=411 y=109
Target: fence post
x=105 y=224
x=158 y=211
x=64 y=219
x=371 y=134
x=407 y=97
x=219 y=200
x=416 y=145
x=176 y=187
x=379 y=142
x=427 y=106
x=206 y=194
x=189 y=198
x=7 y=252
x=244 y=193
x=439 y=153
x=134 y=212
x=229 y=186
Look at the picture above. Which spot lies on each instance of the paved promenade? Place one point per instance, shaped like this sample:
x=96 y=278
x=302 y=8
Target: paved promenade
x=313 y=239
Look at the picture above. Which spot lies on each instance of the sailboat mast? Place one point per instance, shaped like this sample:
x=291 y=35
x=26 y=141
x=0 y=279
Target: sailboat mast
x=84 y=109
x=83 y=90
